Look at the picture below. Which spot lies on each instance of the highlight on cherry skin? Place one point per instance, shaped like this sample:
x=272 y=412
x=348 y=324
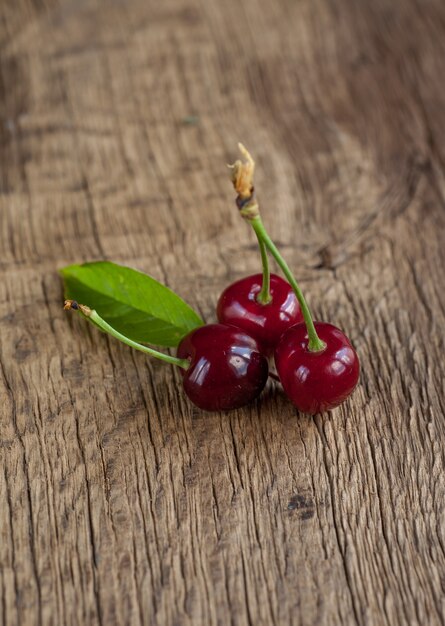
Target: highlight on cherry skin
x=223 y=367
x=227 y=369
x=317 y=381
x=239 y=305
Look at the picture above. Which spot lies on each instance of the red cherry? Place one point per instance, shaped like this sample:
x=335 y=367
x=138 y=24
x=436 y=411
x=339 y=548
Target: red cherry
x=227 y=369
x=238 y=305
x=317 y=381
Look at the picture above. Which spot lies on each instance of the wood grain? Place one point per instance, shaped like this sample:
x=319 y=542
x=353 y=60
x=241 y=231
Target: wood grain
x=120 y=502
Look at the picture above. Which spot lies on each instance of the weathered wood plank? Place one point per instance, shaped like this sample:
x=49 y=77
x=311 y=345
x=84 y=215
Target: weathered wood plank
x=121 y=503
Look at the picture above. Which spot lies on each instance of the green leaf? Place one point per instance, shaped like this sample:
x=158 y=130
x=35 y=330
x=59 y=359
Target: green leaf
x=133 y=303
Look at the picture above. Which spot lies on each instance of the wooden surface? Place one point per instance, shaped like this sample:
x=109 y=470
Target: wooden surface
x=119 y=502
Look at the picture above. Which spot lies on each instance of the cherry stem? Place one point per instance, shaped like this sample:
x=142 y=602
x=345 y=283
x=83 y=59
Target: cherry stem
x=315 y=343
x=242 y=179
x=264 y=296
x=96 y=318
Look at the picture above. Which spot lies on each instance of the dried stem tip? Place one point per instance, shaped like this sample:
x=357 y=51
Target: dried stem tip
x=70 y=304
x=73 y=305
x=242 y=174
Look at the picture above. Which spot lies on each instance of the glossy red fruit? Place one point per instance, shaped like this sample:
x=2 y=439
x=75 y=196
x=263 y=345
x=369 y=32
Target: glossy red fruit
x=317 y=381
x=238 y=305
x=227 y=369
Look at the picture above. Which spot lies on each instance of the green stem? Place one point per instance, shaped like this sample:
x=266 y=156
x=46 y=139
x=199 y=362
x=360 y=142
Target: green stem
x=96 y=318
x=315 y=343
x=264 y=297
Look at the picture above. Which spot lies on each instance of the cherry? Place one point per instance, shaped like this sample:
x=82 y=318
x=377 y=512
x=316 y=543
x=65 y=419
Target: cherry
x=227 y=369
x=317 y=381
x=222 y=366
x=239 y=305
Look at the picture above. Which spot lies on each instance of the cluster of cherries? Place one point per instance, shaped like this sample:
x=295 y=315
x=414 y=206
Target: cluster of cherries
x=226 y=365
